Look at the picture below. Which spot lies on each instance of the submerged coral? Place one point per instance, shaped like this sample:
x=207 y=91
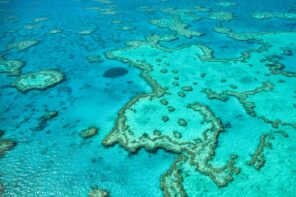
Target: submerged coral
x=267 y=15
x=86 y=32
x=38 y=80
x=98 y=193
x=175 y=24
x=6 y=145
x=44 y=120
x=10 y=66
x=95 y=59
x=227 y=4
x=89 y=132
x=55 y=31
x=22 y=45
x=221 y=16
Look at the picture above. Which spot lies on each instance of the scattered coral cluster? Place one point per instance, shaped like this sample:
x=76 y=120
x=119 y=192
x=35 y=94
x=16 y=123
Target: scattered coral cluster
x=35 y=80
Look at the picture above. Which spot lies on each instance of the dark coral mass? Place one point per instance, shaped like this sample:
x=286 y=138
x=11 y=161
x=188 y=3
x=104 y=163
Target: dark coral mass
x=115 y=72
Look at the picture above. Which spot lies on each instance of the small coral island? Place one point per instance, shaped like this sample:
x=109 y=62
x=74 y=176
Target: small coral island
x=89 y=132
x=38 y=80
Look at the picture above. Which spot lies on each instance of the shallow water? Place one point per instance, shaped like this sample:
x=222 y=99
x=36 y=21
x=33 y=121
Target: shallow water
x=193 y=98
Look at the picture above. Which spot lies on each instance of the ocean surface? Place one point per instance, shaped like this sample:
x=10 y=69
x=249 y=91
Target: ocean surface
x=133 y=98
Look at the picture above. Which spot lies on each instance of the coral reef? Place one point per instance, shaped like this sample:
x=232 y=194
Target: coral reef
x=172 y=92
x=175 y=24
x=22 y=45
x=200 y=148
x=38 y=80
x=95 y=59
x=6 y=145
x=126 y=28
x=89 y=132
x=32 y=26
x=55 y=31
x=201 y=9
x=98 y=193
x=116 y=22
x=44 y=120
x=221 y=16
x=267 y=15
x=227 y=4
x=11 y=67
x=49 y=115
x=86 y=32
x=258 y=159
x=210 y=111
x=40 y=19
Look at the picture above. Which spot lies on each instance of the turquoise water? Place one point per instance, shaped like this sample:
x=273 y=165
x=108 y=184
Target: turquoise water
x=132 y=69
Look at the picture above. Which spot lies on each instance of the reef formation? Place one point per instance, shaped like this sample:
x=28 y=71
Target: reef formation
x=89 y=132
x=22 y=45
x=197 y=97
x=5 y=145
x=180 y=115
x=12 y=67
x=38 y=80
x=98 y=193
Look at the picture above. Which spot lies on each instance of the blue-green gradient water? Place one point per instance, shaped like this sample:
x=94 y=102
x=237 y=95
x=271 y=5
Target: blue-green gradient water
x=56 y=161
